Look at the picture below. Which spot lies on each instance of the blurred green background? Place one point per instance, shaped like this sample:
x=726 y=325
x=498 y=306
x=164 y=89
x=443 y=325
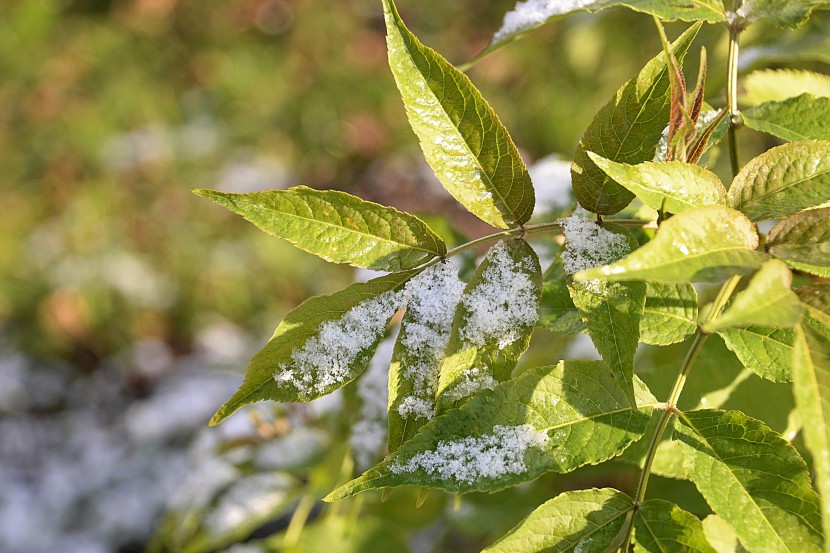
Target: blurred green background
x=115 y=281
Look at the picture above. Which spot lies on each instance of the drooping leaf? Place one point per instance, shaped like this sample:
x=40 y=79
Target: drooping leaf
x=783 y=13
x=700 y=244
x=753 y=479
x=766 y=301
x=546 y=419
x=337 y=226
x=783 y=180
x=627 y=130
x=612 y=313
x=670 y=185
x=803 y=241
x=670 y=313
x=323 y=344
x=811 y=386
x=804 y=117
x=816 y=300
x=557 y=311
x=777 y=85
x=582 y=521
x=463 y=140
x=493 y=322
x=767 y=351
x=661 y=526
x=527 y=17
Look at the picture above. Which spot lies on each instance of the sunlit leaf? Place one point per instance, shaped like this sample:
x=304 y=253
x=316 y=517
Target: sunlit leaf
x=804 y=117
x=803 y=241
x=777 y=85
x=767 y=351
x=661 y=526
x=337 y=226
x=700 y=244
x=626 y=130
x=547 y=419
x=463 y=140
x=670 y=313
x=582 y=521
x=753 y=479
x=721 y=536
x=783 y=180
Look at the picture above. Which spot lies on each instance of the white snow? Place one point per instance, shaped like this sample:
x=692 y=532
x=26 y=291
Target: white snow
x=473 y=458
x=472 y=380
x=369 y=432
x=705 y=118
x=551 y=176
x=325 y=360
x=532 y=13
x=503 y=303
x=588 y=245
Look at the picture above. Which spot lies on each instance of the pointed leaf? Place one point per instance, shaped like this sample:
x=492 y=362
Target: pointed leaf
x=463 y=140
x=767 y=301
x=670 y=185
x=767 y=351
x=670 y=313
x=493 y=322
x=811 y=385
x=753 y=479
x=777 y=85
x=661 y=526
x=816 y=300
x=529 y=16
x=320 y=346
x=783 y=180
x=419 y=350
x=546 y=419
x=337 y=226
x=627 y=129
x=803 y=241
x=582 y=521
x=557 y=311
x=804 y=117
x=700 y=244
x=611 y=310
x=783 y=13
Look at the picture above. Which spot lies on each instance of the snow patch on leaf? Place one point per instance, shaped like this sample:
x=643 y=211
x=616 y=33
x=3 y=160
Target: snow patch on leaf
x=530 y=14
x=588 y=245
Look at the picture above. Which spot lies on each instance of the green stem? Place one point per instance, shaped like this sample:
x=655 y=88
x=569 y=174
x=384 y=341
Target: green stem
x=732 y=96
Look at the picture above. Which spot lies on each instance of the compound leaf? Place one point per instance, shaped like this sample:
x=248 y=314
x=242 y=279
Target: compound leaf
x=463 y=140
x=803 y=241
x=701 y=244
x=627 y=130
x=582 y=521
x=783 y=180
x=670 y=313
x=546 y=419
x=804 y=117
x=753 y=479
x=767 y=351
x=337 y=226
x=661 y=526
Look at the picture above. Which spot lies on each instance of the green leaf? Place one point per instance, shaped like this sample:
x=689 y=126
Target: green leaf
x=811 y=386
x=463 y=140
x=767 y=351
x=766 y=301
x=557 y=311
x=803 y=241
x=753 y=479
x=524 y=19
x=804 y=117
x=627 y=130
x=721 y=535
x=816 y=300
x=701 y=244
x=783 y=180
x=661 y=526
x=783 y=13
x=670 y=185
x=670 y=313
x=612 y=312
x=337 y=226
x=546 y=419
x=493 y=322
x=777 y=85
x=314 y=349
x=419 y=350
x=582 y=521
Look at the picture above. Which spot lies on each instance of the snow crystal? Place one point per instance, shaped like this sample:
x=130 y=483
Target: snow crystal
x=588 y=245
x=662 y=147
x=551 y=178
x=503 y=303
x=434 y=296
x=369 y=432
x=472 y=380
x=325 y=360
x=532 y=13
x=470 y=459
